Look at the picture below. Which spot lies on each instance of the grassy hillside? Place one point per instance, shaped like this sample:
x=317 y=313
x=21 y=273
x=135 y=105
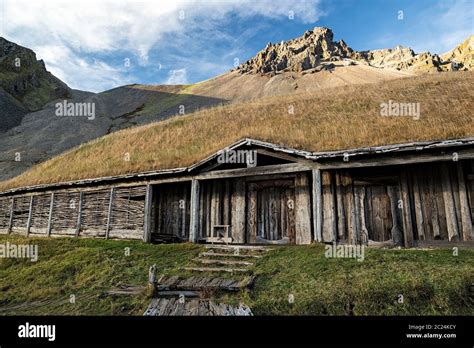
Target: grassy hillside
x=431 y=281
x=329 y=119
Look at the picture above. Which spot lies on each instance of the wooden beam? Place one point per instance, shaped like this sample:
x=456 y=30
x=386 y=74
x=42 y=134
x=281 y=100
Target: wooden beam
x=50 y=217
x=467 y=227
x=148 y=214
x=109 y=212
x=12 y=211
x=272 y=169
x=30 y=211
x=398 y=159
x=194 y=223
x=79 y=214
x=317 y=204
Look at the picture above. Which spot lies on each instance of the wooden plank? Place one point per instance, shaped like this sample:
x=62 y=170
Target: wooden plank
x=329 y=207
x=12 y=211
x=467 y=227
x=317 y=204
x=434 y=207
x=79 y=214
x=302 y=209
x=194 y=223
x=406 y=210
x=109 y=212
x=396 y=232
x=418 y=208
x=147 y=225
x=341 y=214
x=50 y=217
x=449 y=205
x=30 y=211
x=251 y=215
x=238 y=212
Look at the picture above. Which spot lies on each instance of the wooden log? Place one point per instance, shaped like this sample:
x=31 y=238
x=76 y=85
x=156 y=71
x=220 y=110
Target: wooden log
x=467 y=227
x=50 y=217
x=12 y=208
x=252 y=215
x=449 y=205
x=30 y=211
x=418 y=208
x=109 y=213
x=194 y=223
x=317 y=204
x=303 y=209
x=209 y=254
x=238 y=212
x=406 y=210
x=148 y=214
x=363 y=233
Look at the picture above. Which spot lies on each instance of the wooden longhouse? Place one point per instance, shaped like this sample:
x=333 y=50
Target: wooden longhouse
x=412 y=194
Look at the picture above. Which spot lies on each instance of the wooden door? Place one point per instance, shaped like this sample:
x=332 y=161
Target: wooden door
x=271 y=212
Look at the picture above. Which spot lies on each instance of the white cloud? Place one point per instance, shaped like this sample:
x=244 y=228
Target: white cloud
x=108 y=26
x=177 y=77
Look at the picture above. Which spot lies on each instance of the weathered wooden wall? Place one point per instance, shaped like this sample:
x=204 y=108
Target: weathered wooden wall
x=404 y=204
x=105 y=213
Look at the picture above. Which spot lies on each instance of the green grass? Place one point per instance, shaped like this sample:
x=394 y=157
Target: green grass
x=432 y=282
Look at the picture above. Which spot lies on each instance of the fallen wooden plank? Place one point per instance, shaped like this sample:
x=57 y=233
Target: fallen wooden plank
x=215 y=269
x=177 y=293
x=224 y=262
x=229 y=255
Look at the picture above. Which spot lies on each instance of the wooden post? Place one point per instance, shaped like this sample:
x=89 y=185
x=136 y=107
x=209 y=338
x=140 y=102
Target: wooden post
x=397 y=234
x=12 y=210
x=109 y=213
x=341 y=213
x=148 y=214
x=30 y=211
x=467 y=228
x=193 y=224
x=79 y=214
x=50 y=218
x=317 y=206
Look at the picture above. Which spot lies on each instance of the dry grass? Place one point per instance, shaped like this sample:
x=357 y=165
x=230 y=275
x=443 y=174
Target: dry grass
x=330 y=119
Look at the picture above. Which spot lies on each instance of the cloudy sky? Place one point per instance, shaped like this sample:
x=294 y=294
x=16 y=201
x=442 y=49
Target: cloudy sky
x=100 y=44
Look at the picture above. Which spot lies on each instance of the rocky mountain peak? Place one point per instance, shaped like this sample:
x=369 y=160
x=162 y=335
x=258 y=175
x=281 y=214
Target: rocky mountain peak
x=315 y=50
x=302 y=53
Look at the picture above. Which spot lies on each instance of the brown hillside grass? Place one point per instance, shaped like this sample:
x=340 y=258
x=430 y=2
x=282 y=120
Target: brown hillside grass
x=330 y=119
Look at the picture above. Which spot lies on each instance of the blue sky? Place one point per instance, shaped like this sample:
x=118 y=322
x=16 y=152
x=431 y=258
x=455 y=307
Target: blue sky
x=101 y=44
